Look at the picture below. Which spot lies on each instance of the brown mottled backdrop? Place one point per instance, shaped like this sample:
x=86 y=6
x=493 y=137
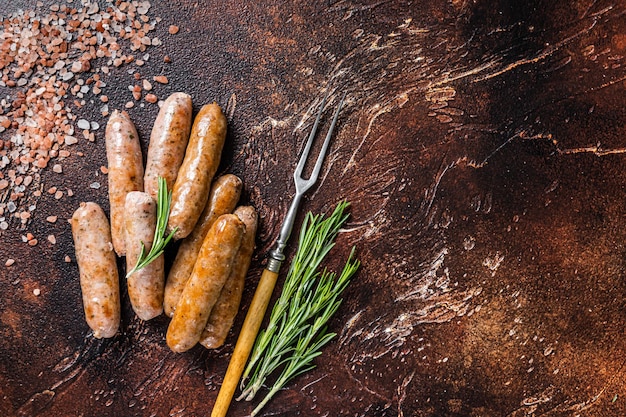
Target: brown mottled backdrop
x=482 y=148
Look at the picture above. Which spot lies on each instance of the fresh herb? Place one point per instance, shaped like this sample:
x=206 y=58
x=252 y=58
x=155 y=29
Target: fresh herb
x=164 y=200
x=297 y=330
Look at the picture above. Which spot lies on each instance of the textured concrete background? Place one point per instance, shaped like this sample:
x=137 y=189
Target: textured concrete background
x=482 y=148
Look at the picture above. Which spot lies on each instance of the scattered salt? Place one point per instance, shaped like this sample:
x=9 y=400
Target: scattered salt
x=80 y=42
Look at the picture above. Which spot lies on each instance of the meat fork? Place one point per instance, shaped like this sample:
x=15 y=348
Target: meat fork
x=264 y=290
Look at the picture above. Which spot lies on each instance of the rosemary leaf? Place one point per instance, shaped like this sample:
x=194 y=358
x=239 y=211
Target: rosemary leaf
x=164 y=200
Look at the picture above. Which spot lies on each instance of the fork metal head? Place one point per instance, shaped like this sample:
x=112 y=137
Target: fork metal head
x=302 y=184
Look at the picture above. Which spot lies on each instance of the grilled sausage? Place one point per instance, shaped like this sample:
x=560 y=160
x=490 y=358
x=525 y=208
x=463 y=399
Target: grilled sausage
x=125 y=171
x=168 y=141
x=223 y=314
x=202 y=158
x=210 y=272
x=99 y=280
x=145 y=286
x=223 y=199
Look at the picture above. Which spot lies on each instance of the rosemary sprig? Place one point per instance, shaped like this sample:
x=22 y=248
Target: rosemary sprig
x=297 y=331
x=315 y=241
x=164 y=200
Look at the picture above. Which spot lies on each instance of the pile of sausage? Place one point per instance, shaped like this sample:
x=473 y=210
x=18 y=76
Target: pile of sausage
x=205 y=283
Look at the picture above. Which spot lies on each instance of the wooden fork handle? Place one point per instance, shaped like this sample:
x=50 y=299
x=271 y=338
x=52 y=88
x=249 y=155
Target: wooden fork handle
x=246 y=339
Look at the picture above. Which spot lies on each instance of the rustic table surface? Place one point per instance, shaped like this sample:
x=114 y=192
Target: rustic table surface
x=482 y=147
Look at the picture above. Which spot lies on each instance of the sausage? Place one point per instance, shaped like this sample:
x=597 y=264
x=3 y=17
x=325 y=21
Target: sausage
x=145 y=286
x=125 y=171
x=223 y=314
x=168 y=141
x=223 y=199
x=202 y=158
x=99 y=280
x=210 y=272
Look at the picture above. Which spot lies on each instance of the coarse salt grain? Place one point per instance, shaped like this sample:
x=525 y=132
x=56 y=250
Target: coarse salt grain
x=52 y=239
x=9 y=262
x=37 y=292
x=83 y=124
x=76 y=67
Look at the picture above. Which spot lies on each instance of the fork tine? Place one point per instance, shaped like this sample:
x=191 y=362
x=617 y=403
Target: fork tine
x=320 y=158
x=305 y=153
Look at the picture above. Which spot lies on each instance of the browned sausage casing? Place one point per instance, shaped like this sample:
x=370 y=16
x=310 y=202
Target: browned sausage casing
x=223 y=199
x=210 y=272
x=225 y=309
x=99 y=280
x=168 y=141
x=125 y=171
x=145 y=286
x=202 y=158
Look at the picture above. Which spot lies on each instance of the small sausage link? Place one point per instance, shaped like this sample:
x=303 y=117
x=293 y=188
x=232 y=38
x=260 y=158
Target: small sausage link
x=223 y=199
x=99 y=279
x=225 y=310
x=145 y=286
x=210 y=272
x=202 y=158
x=125 y=171
x=168 y=140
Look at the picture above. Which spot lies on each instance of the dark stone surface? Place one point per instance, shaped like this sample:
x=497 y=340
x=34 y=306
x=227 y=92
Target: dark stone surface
x=482 y=148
